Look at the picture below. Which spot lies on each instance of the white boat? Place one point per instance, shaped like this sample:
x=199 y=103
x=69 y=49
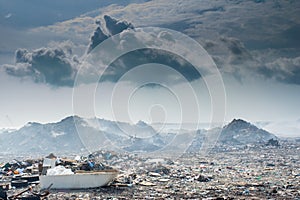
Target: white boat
x=79 y=180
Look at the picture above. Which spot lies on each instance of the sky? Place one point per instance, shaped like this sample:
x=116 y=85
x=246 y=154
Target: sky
x=202 y=60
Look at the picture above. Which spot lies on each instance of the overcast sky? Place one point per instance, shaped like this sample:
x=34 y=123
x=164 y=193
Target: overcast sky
x=44 y=45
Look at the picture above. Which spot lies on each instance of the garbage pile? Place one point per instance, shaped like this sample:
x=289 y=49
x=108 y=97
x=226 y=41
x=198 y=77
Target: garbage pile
x=18 y=174
x=260 y=172
x=82 y=163
x=19 y=167
x=21 y=179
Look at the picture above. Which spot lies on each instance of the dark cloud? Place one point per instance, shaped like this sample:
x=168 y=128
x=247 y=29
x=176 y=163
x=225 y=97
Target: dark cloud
x=239 y=61
x=54 y=66
x=57 y=66
x=139 y=57
x=239 y=53
x=209 y=44
x=246 y=26
x=291 y=37
x=230 y=56
x=97 y=38
x=144 y=56
x=113 y=27
x=286 y=70
x=214 y=9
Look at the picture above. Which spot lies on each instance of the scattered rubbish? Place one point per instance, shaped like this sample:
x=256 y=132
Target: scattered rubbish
x=163 y=180
x=154 y=174
x=273 y=142
x=246 y=192
x=252 y=172
x=161 y=170
x=48 y=162
x=4 y=185
x=146 y=183
x=30 y=178
x=29 y=194
x=19 y=183
x=3 y=194
x=270 y=165
x=202 y=178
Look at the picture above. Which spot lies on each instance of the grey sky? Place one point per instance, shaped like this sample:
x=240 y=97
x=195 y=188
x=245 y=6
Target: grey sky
x=255 y=45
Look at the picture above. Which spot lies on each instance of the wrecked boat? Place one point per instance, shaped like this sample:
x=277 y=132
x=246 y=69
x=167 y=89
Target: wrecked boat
x=78 y=180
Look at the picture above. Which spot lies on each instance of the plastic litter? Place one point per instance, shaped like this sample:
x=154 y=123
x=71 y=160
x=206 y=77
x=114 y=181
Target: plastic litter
x=59 y=170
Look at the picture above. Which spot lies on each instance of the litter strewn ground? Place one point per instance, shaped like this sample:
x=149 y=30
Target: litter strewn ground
x=252 y=172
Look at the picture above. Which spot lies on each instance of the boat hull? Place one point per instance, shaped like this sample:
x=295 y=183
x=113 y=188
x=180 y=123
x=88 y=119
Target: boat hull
x=78 y=181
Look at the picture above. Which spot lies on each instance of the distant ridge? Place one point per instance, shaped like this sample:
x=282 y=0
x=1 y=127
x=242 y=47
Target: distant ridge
x=239 y=131
x=72 y=134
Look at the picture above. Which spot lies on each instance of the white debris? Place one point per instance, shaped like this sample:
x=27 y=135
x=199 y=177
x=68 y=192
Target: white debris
x=59 y=170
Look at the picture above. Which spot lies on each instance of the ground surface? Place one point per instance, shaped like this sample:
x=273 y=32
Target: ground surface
x=251 y=173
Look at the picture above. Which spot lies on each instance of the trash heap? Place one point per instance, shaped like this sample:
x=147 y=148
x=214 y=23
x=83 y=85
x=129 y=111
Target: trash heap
x=53 y=165
x=20 y=179
x=260 y=172
x=252 y=172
